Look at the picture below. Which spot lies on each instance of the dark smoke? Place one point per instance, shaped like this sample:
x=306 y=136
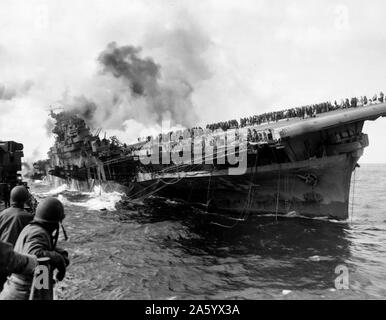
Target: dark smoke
x=141 y=74
x=79 y=106
x=164 y=98
x=133 y=87
x=83 y=107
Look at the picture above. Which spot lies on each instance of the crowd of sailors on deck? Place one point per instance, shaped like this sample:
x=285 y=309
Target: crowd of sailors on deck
x=303 y=112
x=224 y=125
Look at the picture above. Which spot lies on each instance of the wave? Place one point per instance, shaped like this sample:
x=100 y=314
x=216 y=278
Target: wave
x=56 y=191
x=97 y=199
x=289 y=215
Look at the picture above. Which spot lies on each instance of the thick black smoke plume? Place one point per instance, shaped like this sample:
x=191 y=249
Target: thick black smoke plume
x=79 y=106
x=168 y=99
x=141 y=74
x=83 y=108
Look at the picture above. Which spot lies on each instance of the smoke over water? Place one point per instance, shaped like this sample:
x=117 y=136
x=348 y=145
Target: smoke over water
x=129 y=89
x=132 y=89
x=165 y=99
x=124 y=62
x=134 y=92
x=83 y=107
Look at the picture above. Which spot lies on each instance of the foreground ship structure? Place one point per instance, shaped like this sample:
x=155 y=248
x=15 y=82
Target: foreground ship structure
x=11 y=154
x=294 y=165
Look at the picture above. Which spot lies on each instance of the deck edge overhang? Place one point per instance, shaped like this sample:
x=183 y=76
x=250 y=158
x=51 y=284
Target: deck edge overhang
x=327 y=121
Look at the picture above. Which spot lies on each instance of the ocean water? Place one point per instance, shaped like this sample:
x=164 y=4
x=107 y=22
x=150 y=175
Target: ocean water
x=161 y=249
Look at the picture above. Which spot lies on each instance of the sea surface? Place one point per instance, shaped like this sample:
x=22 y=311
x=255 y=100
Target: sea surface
x=161 y=249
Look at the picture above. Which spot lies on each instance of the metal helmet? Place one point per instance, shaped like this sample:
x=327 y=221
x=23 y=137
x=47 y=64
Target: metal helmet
x=19 y=194
x=50 y=210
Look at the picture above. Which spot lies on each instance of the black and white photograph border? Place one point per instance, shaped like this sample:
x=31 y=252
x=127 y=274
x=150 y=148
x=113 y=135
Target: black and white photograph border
x=192 y=150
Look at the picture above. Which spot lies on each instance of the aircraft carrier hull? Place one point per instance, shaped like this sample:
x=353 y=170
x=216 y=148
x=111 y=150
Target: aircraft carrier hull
x=314 y=188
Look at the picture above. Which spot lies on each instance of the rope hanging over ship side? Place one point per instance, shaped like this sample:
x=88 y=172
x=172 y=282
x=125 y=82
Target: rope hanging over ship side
x=278 y=193
x=353 y=193
x=165 y=184
x=246 y=209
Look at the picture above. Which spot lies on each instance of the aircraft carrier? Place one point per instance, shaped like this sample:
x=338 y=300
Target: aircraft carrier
x=301 y=165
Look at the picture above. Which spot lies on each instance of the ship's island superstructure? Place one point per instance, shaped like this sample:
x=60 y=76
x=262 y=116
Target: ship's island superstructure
x=299 y=165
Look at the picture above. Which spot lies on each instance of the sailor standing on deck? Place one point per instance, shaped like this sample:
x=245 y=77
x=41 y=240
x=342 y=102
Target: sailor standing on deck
x=13 y=220
x=39 y=238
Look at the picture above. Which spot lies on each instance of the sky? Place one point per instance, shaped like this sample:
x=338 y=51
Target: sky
x=237 y=58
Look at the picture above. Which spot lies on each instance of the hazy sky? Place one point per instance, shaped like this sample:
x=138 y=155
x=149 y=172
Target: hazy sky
x=241 y=57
